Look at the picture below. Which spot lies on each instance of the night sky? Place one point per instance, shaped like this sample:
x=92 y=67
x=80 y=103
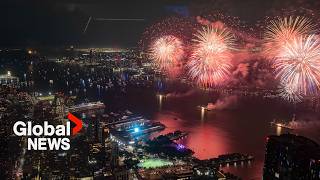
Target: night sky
x=44 y=23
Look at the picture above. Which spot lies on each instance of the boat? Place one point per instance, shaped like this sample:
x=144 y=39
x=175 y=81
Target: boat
x=282 y=125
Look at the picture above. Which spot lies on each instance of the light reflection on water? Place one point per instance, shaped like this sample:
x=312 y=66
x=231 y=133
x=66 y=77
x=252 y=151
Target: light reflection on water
x=208 y=139
x=279 y=128
x=216 y=132
x=160 y=99
x=211 y=133
x=202 y=113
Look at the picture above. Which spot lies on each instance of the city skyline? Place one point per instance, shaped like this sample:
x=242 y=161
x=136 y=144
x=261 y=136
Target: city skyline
x=173 y=89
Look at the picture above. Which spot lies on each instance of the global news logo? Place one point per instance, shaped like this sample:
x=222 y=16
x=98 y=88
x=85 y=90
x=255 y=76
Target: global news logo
x=47 y=136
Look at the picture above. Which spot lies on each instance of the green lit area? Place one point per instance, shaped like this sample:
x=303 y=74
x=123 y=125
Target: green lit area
x=46 y=98
x=154 y=163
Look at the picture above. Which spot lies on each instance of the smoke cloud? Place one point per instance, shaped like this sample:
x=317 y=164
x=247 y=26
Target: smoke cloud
x=180 y=95
x=228 y=102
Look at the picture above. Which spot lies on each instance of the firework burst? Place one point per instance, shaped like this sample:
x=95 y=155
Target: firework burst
x=289 y=93
x=167 y=52
x=210 y=61
x=298 y=64
x=283 y=30
x=179 y=27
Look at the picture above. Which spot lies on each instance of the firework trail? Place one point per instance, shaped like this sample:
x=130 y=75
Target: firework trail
x=283 y=30
x=167 y=52
x=298 y=65
x=210 y=61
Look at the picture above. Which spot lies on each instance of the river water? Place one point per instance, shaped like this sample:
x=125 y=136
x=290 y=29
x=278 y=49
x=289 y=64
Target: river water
x=239 y=125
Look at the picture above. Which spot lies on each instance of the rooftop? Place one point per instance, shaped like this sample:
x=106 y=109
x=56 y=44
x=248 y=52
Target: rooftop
x=298 y=142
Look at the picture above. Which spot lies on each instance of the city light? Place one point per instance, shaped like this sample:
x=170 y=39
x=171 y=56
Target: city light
x=136 y=130
x=250 y=70
x=180 y=147
x=154 y=163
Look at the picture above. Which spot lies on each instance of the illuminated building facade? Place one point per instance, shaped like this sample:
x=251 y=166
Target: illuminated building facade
x=8 y=79
x=291 y=157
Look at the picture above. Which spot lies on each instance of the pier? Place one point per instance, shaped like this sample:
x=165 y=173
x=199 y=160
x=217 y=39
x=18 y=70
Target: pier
x=128 y=122
x=234 y=159
x=230 y=159
x=176 y=135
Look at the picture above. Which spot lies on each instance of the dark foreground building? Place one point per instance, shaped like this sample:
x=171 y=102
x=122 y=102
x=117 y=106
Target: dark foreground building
x=290 y=157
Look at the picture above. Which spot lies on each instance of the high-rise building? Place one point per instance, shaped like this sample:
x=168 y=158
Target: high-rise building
x=93 y=128
x=105 y=135
x=290 y=157
x=112 y=153
x=8 y=79
x=59 y=108
x=121 y=173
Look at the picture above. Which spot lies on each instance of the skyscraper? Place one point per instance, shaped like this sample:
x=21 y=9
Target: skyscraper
x=290 y=157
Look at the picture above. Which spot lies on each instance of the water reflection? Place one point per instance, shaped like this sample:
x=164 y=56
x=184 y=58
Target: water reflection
x=160 y=99
x=207 y=141
x=202 y=113
x=279 y=128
